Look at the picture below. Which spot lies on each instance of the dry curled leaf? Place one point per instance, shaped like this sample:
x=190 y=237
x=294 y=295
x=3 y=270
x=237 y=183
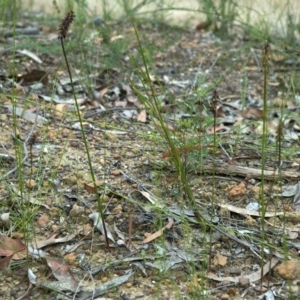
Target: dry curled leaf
x=62 y=272
x=15 y=247
x=99 y=225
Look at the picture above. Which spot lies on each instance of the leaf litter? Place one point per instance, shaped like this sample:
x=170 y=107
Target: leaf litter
x=119 y=130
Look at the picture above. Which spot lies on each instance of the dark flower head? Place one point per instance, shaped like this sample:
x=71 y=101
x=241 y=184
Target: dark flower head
x=32 y=140
x=65 y=24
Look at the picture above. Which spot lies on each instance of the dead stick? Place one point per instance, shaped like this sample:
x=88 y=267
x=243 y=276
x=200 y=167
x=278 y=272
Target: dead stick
x=234 y=170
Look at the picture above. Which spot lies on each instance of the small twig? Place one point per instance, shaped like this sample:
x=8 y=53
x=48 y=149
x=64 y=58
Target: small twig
x=224 y=178
x=133 y=180
x=97 y=111
x=256 y=58
x=232 y=237
x=108 y=203
x=213 y=64
x=26 y=293
x=6 y=156
x=225 y=152
x=199 y=71
x=130 y=227
x=89 y=273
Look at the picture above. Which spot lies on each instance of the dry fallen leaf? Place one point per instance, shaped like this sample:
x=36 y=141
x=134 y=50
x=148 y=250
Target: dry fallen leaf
x=4 y=262
x=204 y=25
x=60 y=110
x=99 y=225
x=30 y=54
x=89 y=187
x=52 y=241
x=220 y=260
x=27 y=115
x=35 y=76
x=220 y=129
x=142 y=116
x=252 y=113
x=159 y=232
x=15 y=247
x=62 y=272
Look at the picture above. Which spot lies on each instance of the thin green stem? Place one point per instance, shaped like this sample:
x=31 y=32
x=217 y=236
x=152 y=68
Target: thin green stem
x=154 y=106
x=265 y=61
x=100 y=206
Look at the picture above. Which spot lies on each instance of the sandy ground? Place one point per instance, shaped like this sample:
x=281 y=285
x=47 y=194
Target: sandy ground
x=271 y=11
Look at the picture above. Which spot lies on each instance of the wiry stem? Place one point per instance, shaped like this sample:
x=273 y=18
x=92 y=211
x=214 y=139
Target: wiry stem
x=62 y=34
x=265 y=65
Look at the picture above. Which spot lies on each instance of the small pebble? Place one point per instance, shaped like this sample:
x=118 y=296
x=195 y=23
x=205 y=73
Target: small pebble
x=76 y=210
x=115 y=172
x=118 y=209
x=43 y=221
x=30 y=183
x=244 y=281
x=165 y=295
x=98 y=22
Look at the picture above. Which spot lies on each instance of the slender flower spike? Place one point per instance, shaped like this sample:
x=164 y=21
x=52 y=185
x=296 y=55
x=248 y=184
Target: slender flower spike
x=215 y=101
x=266 y=56
x=65 y=24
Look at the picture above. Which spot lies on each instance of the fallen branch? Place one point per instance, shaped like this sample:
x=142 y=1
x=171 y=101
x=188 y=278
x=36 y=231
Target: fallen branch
x=234 y=170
